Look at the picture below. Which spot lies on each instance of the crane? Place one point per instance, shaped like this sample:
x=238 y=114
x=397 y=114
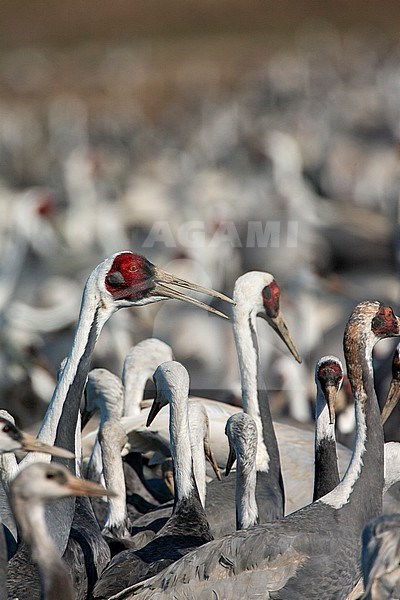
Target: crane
x=314 y=552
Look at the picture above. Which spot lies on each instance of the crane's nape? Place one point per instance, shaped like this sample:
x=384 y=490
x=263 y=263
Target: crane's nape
x=134 y=279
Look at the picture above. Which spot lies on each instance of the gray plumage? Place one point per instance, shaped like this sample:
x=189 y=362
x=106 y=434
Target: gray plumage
x=242 y=435
x=381 y=558
x=328 y=378
x=34 y=486
x=313 y=553
x=256 y=295
x=187 y=527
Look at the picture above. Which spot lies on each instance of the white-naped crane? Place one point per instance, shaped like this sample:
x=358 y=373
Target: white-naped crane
x=187 y=527
x=144 y=527
x=241 y=431
x=139 y=365
x=123 y=280
x=296 y=445
x=12 y=439
x=112 y=438
x=31 y=489
x=103 y=392
x=314 y=552
x=329 y=379
x=256 y=294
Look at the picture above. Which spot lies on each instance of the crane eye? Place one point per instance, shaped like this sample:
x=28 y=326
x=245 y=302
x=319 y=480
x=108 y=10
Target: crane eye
x=6 y=428
x=50 y=475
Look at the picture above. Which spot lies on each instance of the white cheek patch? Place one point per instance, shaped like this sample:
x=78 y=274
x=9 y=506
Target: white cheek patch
x=7 y=444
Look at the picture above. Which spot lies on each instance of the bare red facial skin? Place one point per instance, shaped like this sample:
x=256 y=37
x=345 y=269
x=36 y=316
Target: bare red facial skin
x=385 y=323
x=396 y=365
x=330 y=373
x=270 y=296
x=130 y=277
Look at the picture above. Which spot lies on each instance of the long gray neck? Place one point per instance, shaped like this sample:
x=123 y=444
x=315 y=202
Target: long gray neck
x=181 y=450
x=112 y=438
x=197 y=447
x=111 y=408
x=270 y=491
x=326 y=470
x=134 y=383
x=3 y=564
x=360 y=491
x=247 y=349
x=61 y=425
x=54 y=576
x=8 y=470
x=246 y=505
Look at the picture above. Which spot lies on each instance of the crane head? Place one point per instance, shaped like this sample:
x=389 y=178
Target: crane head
x=258 y=293
x=329 y=377
x=169 y=378
x=272 y=314
x=49 y=481
x=134 y=280
x=241 y=431
x=13 y=439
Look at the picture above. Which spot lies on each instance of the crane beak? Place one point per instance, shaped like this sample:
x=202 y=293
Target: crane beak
x=279 y=325
x=169 y=482
x=230 y=460
x=330 y=393
x=211 y=459
x=163 y=281
x=30 y=444
x=82 y=487
x=392 y=399
x=154 y=410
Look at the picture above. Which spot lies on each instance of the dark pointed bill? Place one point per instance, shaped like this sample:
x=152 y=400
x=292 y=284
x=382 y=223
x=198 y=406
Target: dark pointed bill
x=330 y=397
x=30 y=444
x=230 y=460
x=154 y=410
x=82 y=487
x=392 y=399
x=211 y=459
x=168 y=478
x=279 y=325
x=162 y=287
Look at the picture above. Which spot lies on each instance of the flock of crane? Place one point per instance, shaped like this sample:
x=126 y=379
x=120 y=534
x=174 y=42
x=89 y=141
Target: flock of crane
x=123 y=495
x=285 y=525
